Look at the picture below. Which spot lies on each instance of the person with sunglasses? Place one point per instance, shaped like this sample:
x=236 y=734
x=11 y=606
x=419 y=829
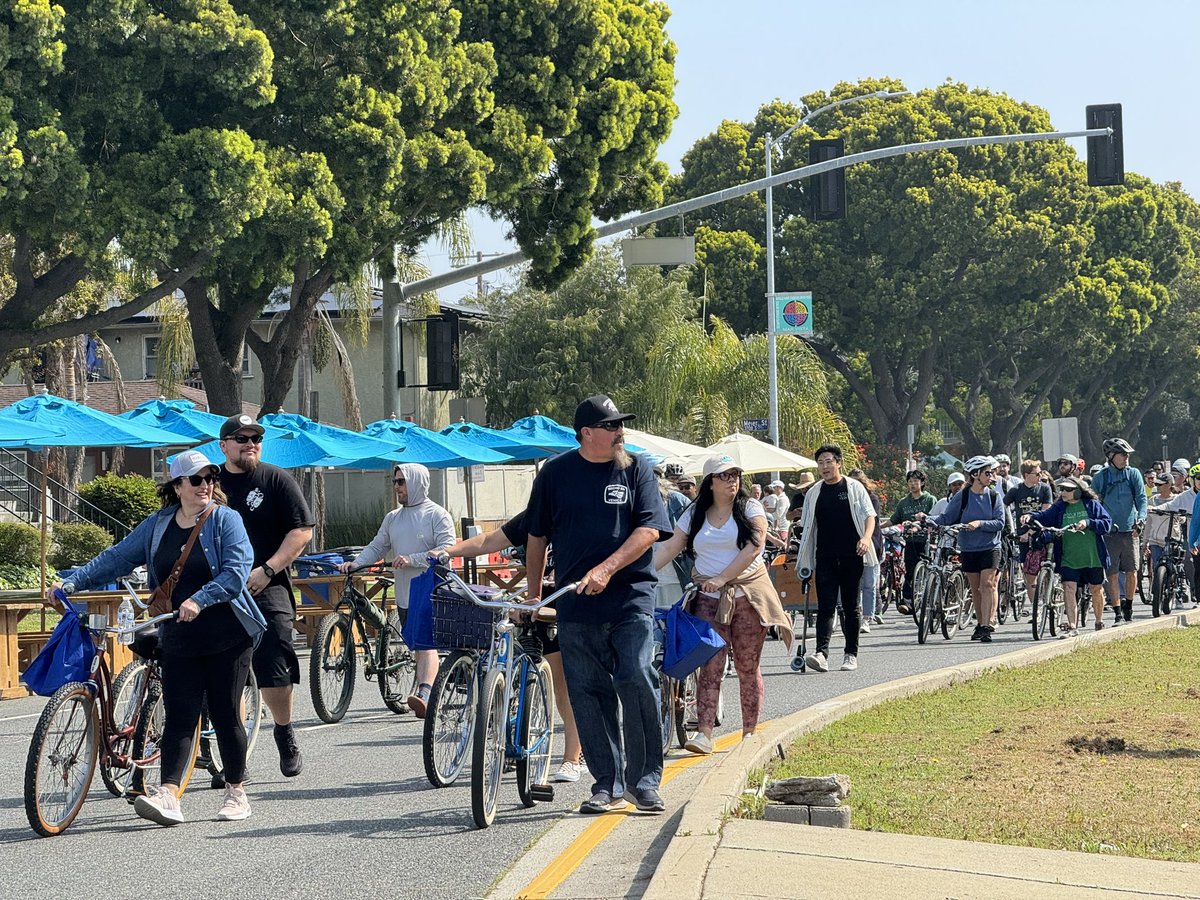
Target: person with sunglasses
x=838 y=524
x=407 y=536
x=207 y=650
x=280 y=525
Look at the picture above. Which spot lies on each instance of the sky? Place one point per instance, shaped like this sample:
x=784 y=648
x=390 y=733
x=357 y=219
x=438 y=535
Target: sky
x=1061 y=55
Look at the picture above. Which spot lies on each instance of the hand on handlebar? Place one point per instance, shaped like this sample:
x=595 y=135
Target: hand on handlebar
x=188 y=610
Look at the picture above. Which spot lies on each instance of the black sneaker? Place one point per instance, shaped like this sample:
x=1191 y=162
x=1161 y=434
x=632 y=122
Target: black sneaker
x=291 y=760
x=985 y=634
x=602 y=802
x=1117 y=618
x=977 y=634
x=649 y=801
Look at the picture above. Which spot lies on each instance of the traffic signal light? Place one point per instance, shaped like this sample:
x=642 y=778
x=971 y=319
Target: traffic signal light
x=827 y=191
x=442 y=344
x=1105 y=154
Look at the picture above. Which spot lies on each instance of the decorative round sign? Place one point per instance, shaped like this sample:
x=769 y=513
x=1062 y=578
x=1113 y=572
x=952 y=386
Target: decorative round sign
x=795 y=314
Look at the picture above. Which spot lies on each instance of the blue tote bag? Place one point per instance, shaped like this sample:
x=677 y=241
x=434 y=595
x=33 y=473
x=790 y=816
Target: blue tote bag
x=690 y=642
x=418 y=627
x=67 y=656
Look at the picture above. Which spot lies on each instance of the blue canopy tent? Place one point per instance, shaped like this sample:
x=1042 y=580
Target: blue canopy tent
x=429 y=448
x=510 y=446
x=542 y=431
x=183 y=417
x=17 y=434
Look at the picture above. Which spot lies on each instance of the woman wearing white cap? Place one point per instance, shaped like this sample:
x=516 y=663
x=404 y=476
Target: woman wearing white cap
x=727 y=529
x=207 y=650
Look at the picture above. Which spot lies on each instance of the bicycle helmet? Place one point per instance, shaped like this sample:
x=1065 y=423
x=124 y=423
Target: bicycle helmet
x=1094 y=469
x=1116 y=445
x=979 y=463
x=1164 y=478
x=673 y=470
x=1194 y=471
x=1181 y=466
x=1068 y=458
x=1002 y=458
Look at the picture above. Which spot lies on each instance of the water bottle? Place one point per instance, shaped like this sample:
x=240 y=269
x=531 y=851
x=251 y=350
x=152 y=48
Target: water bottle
x=125 y=622
x=372 y=613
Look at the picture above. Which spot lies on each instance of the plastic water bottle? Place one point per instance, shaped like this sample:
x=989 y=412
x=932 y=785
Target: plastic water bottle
x=125 y=622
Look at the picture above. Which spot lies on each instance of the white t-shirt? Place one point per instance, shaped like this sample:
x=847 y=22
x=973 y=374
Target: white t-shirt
x=716 y=548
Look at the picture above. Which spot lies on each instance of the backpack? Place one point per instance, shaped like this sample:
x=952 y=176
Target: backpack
x=962 y=507
x=1108 y=482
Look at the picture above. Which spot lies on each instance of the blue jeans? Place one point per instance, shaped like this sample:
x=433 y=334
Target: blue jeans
x=610 y=672
x=870 y=588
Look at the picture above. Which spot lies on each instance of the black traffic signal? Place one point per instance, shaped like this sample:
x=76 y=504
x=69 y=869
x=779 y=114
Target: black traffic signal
x=442 y=344
x=1106 y=153
x=827 y=191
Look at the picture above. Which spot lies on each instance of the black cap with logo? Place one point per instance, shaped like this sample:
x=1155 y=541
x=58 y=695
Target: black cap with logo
x=597 y=410
x=234 y=424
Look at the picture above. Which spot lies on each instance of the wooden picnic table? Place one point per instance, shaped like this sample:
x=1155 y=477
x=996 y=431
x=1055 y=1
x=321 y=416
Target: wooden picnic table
x=506 y=576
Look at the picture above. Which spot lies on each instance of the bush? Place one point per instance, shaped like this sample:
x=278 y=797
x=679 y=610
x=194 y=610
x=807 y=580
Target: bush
x=76 y=544
x=18 y=578
x=127 y=498
x=20 y=544
x=354 y=528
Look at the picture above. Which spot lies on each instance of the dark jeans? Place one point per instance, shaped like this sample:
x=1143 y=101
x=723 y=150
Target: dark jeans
x=610 y=679
x=912 y=556
x=186 y=681
x=838 y=578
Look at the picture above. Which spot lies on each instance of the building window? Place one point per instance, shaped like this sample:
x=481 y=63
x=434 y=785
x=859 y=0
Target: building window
x=150 y=360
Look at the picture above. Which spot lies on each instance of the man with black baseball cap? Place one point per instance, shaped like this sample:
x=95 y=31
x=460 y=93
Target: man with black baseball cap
x=602 y=509
x=280 y=525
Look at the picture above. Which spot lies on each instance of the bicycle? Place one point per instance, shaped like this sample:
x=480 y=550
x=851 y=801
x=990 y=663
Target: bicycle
x=514 y=709
x=891 y=569
x=1169 y=585
x=1011 y=592
x=944 y=599
x=1048 y=602
x=679 y=699
x=334 y=660
x=79 y=729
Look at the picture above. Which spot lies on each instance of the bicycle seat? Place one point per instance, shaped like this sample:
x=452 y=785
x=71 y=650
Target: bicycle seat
x=147 y=646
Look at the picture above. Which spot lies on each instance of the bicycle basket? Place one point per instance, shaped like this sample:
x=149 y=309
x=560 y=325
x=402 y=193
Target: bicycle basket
x=458 y=624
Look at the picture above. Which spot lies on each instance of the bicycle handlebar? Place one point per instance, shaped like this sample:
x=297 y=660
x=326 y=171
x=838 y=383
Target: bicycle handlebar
x=142 y=626
x=1169 y=512
x=508 y=602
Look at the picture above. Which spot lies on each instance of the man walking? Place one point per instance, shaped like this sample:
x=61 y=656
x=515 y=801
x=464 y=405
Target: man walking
x=602 y=509
x=1123 y=493
x=280 y=526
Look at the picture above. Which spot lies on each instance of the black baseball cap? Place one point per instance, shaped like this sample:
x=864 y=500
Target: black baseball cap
x=597 y=410
x=234 y=424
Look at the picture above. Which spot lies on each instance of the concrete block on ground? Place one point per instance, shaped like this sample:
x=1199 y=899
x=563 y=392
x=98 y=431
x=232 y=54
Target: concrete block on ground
x=780 y=812
x=830 y=817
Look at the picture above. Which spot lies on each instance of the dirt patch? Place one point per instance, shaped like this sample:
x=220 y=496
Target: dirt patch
x=1106 y=746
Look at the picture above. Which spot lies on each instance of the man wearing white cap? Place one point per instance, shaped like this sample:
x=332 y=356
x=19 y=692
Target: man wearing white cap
x=777 y=505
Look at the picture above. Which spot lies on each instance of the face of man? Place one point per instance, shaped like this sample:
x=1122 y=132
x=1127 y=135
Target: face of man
x=915 y=486
x=242 y=450
x=605 y=443
x=1002 y=470
x=1120 y=460
x=1032 y=478
x=1066 y=467
x=688 y=489
x=756 y=491
x=830 y=468
x=400 y=485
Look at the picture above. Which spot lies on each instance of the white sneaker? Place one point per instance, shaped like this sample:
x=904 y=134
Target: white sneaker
x=699 y=744
x=235 y=807
x=567 y=772
x=159 y=806
x=817 y=662
x=866 y=627
x=849 y=662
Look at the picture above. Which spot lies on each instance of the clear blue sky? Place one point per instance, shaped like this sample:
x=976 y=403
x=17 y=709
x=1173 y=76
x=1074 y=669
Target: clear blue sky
x=1058 y=54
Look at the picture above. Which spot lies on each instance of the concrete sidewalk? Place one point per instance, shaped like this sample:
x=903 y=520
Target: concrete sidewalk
x=765 y=859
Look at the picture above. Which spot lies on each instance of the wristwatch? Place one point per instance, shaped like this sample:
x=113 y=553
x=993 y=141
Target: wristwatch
x=266 y=567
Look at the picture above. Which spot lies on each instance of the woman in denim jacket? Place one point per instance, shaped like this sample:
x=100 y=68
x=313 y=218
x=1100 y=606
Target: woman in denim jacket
x=207 y=650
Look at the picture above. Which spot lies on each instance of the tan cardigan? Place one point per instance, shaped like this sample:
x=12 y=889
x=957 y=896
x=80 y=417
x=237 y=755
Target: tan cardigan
x=760 y=591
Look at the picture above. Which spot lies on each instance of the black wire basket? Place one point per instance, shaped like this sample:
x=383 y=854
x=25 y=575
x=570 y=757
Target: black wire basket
x=458 y=624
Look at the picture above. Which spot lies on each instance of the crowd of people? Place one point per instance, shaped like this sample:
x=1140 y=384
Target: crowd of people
x=616 y=526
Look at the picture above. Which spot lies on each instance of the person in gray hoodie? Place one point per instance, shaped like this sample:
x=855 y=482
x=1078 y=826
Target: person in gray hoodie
x=416 y=528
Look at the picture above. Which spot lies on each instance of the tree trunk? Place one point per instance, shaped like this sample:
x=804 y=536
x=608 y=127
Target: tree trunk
x=279 y=355
x=219 y=341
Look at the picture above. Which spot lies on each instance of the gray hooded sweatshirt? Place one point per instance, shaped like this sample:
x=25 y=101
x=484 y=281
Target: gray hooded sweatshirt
x=413 y=530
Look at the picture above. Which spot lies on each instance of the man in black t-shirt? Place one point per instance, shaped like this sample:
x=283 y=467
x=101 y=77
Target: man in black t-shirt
x=280 y=526
x=603 y=511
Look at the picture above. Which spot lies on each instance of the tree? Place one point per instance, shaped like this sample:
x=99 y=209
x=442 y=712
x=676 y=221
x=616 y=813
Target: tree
x=116 y=162
x=548 y=350
x=390 y=120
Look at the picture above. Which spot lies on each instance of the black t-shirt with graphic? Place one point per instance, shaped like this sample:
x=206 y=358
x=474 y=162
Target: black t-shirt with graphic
x=1027 y=500
x=271 y=504
x=588 y=510
x=836 y=535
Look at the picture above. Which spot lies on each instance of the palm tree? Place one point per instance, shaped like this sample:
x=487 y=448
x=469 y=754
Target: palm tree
x=700 y=386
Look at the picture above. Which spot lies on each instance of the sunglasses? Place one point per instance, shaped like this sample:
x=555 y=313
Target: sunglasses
x=397 y=481
x=609 y=426
x=730 y=475
x=197 y=480
x=246 y=438
x=1068 y=490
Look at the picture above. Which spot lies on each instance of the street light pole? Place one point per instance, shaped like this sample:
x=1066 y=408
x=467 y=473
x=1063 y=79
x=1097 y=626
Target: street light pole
x=769 y=145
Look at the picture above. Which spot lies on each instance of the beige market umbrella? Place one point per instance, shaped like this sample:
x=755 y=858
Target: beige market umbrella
x=752 y=455
x=668 y=449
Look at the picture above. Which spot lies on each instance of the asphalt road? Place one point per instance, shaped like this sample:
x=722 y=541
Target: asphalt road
x=361 y=820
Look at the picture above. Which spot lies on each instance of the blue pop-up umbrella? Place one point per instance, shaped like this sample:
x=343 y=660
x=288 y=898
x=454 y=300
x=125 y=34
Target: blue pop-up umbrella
x=544 y=432
x=415 y=444
x=17 y=434
x=183 y=417
x=355 y=450
x=490 y=438
x=82 y=426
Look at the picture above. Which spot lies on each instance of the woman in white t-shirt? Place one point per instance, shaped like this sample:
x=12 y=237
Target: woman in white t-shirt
x=726 y=530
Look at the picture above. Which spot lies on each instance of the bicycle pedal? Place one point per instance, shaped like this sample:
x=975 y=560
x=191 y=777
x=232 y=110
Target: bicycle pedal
x=542 y=793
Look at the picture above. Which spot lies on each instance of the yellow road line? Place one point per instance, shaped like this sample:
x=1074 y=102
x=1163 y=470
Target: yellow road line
x=561 y=867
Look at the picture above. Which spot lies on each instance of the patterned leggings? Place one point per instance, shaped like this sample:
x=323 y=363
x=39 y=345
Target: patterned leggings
x=744 y=636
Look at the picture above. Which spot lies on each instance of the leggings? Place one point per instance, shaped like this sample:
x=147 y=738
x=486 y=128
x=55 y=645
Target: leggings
x=187 y=680
x=837 y=579
x=744 y=635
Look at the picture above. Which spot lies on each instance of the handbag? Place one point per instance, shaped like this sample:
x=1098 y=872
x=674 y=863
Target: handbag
x=690 y=642
x=418 y=624
x=160 y=601
x=67 y=656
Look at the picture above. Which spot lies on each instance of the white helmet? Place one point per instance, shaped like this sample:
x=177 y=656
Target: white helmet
x=979 y=463
x=1181 y=466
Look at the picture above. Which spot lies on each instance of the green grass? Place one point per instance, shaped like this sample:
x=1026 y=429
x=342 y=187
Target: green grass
x=33 y=622
x=989 y=760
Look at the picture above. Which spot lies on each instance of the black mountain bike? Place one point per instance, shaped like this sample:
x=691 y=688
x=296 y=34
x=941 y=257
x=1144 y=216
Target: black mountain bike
x=1169 y=584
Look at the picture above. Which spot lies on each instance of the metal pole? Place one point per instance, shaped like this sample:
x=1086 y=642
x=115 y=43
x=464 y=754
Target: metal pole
x=772 y=374
x=393 y=294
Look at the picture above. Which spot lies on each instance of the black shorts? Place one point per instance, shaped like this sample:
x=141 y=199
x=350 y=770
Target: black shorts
x=975 y=561
x=275 y=661
x=1090 y=575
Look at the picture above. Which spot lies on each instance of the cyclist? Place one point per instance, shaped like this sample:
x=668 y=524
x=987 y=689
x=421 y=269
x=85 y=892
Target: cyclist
x=981 y=511
x=1079 y=558
x=1030 y=496
x=1179 y=471
x=1065 y=466
x=1120 y=488
x=1164 y=500
x=918 y=500
x=1004 y=481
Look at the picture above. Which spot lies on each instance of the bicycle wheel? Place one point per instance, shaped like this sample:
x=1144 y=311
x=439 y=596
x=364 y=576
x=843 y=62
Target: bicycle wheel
x=966 y=605
x=535 y=734
x=398 y=673
x=488 y=748
x=448 y=719
x=666 y=710
x=147 y=746
x=1004 y=590
x=251 y=717
x=128 y=692
x=687 y=713
x=1042 y=590
x=886 y=594
x=925 y=609
x=955 y=601
x=1162 y=589
x=331 y=668
x=1056 y=605
x=61 y=760
x=1143 y=576
x=920 y=583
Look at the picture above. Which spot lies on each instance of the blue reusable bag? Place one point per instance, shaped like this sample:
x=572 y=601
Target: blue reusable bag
x=418 y=627
x=690 y=642
x=67 y=656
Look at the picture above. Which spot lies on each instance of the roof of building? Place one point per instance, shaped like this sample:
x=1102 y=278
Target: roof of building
x=102 y=395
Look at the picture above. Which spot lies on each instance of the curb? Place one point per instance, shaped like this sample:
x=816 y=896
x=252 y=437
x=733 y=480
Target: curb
x=683 y=867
